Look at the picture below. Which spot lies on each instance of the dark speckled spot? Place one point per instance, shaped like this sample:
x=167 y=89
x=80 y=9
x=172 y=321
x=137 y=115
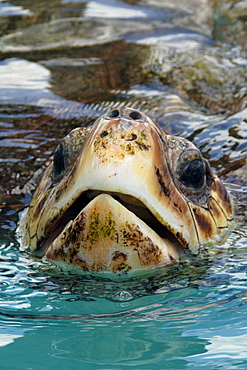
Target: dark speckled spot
x=165 y=190
x=142 y=146
x=176 y=205
x=133 y=137
x=172 y=258
x=149 y=253
x=181 y=239
x=119 y=254
x=104 y=133
x=119 y=259
x=39 y=207
x=119 y=265
x=203 y=222
x=79 y=261
x=59 y=193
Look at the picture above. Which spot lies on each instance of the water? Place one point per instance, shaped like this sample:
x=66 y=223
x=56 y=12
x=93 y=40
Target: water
x=62 y=64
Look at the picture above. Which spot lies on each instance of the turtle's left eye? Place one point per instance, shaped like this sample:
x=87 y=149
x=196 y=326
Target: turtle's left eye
x=193 y=174
x=58 y=160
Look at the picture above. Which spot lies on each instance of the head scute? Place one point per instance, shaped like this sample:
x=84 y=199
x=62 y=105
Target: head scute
x=123 y=198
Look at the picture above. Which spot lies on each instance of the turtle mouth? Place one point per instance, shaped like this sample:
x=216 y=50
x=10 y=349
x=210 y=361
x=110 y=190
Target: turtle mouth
x=132 y=204
x=120 y=199
x=138 y=208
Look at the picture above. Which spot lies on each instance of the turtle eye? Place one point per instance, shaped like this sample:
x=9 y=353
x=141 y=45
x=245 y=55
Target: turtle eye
x=193 y=174
x=58 y=160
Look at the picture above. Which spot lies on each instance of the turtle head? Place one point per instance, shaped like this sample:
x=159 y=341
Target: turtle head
x=123 y=197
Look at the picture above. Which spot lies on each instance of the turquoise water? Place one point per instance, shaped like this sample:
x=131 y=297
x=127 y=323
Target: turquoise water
x=63 y=63
x=190 y=317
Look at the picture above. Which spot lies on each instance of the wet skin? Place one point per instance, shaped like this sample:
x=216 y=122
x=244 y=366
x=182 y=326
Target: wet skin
x=124 y=197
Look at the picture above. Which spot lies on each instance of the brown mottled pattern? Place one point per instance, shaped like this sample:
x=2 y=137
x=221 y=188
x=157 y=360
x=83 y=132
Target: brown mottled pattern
x=206 y=226
x=203 y=222
x=164 y=188
x=217 y=213
x=119 y=262
x=148 y=252
x=223 y=198
x=182 y=240
x=123 y=142
x=120 y=204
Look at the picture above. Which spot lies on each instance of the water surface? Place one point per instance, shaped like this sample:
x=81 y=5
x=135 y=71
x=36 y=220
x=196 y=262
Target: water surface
x=62 y=64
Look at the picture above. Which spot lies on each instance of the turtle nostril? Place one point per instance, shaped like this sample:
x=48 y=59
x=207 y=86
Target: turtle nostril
x=113 y=113
x=135 y=115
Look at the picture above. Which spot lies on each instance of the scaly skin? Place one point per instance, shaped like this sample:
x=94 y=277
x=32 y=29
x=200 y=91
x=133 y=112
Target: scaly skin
x=124 y=197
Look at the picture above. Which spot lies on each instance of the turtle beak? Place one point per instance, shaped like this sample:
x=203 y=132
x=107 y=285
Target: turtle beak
x=107 y=237
x=133 y=220
x=121 y=207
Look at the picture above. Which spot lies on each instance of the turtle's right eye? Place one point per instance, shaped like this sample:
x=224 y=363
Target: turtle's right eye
x=193 y=174
x=58 y=160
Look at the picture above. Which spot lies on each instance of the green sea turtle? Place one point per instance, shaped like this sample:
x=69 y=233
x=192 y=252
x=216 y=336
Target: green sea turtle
x=124 y=197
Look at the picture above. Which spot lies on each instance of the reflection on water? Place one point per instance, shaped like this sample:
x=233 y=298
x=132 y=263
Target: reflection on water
x=7 y=10
x=151 y=335
x=28 y=83
x=21 y=79
x=62 y=64
x=117 y=9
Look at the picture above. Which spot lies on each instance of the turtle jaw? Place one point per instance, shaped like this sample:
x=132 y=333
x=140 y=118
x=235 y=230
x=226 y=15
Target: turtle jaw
x=120 y=156
x=106 y=238
x=125 y=156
